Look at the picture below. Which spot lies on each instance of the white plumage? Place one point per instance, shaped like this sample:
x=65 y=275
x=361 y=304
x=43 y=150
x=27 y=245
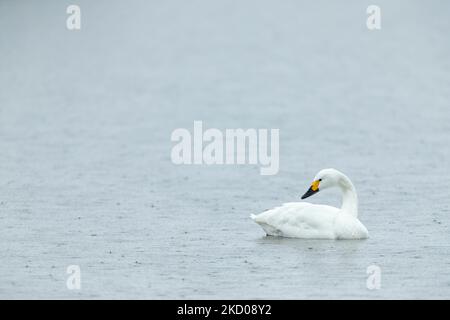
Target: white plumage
x=314 y=221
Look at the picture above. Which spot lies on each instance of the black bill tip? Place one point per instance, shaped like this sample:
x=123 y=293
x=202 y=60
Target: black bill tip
x=309 y=193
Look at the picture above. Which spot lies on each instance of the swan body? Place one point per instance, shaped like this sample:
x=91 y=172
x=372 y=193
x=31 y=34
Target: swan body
x=315 y=221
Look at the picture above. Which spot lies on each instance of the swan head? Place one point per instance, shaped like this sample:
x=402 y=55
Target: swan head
x=325 y=179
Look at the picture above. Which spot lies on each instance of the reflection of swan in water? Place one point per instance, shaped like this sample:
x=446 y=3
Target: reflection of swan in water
x=314 y=221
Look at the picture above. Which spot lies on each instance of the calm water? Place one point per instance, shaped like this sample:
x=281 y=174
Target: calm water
x=85 y=172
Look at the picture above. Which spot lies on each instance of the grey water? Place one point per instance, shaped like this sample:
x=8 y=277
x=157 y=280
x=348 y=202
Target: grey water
x=86 y=176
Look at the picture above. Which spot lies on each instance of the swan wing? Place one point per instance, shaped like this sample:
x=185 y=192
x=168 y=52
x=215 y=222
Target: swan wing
x=299 y=220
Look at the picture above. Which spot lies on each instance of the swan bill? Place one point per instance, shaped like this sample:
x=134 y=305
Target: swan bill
x=310 y=192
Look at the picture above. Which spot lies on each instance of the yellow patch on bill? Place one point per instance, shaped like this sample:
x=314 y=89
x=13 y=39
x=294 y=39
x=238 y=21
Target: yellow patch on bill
x=315 y=185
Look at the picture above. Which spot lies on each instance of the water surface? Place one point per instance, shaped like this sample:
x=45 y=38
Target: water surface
x=85 y=170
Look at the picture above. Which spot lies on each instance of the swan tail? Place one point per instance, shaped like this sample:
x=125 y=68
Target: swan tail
x=270 y=230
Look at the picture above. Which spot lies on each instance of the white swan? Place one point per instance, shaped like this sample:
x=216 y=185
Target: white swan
x=314 y=221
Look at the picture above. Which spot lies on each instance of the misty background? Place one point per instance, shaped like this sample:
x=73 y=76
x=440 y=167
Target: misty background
x=86 y=117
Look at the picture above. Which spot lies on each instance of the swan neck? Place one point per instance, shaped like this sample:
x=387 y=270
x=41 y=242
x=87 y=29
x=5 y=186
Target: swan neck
x=349 y=197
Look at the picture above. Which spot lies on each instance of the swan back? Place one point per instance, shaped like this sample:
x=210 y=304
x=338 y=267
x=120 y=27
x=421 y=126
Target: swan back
x=299 y=220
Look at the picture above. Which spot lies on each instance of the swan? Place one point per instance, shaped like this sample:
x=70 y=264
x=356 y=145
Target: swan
x=315 y=221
